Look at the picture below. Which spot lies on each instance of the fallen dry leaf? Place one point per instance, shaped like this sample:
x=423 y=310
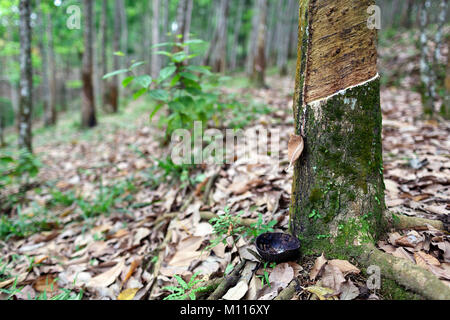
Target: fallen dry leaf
x=349 y=291
x=282 y=274
x=107 y=278
x=45 y=283
x=128 y=294
x=318 y=265
x=295 y=149
x=345 y=266
x=332 y=278
x=237 y=292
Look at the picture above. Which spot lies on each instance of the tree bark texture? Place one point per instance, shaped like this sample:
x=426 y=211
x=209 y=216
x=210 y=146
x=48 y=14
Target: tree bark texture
x=88 y=115
x=259 y=63
x=26 y=77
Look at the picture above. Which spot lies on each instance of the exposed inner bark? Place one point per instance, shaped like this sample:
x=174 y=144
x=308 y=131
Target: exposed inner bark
x=342 y=49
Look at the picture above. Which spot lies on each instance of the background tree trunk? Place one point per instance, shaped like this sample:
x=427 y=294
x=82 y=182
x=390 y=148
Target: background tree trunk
x=338 y=189
x=48 y=117
x=188 y=21
x=88 y=117
x=104 y=62
x=52 y=71
x=259 y=63
x=284 y=33
x=218 y=48
x=237 y=31
x=156 y=66
x=26 y=77
x=251 y=49
x=426 y=67
x=407 y=14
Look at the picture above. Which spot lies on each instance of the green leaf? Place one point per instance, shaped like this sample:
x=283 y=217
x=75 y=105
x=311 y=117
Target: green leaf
x=179 y=56
x=115 y=73
x=199 y=69
x=164 y=44
x=127 y=81
x=157 y=108
x=166 y=73
x=139 y=93
x=159 y=94
x=119 y=53
x=182 y=283
x=164 y=53
x=189 y=76
x=144 y=81
x=137 y=64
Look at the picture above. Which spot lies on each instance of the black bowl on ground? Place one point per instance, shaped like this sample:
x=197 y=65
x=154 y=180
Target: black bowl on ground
x=278 y=247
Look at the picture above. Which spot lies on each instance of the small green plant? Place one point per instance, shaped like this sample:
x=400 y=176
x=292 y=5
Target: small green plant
x=228 y=225
x=265 y=276
x=20 y=168
x=23 y=225
x=260 y=227
x=184 y=290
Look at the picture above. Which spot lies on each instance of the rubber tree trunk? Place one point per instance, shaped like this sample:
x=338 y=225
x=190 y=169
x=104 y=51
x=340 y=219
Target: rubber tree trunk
x=251 y=48
x=43 y=44
x=445 y=109
x=156 y=64
x=259 y=63
x=45 y=87
x=218 y=48
x=26 y=77
x=237 y=31
x=104 y=43
x=428 y=89
x=88 y=115
x=285 y=29
x=338 y=189
x=52 y=71
x=407 y=15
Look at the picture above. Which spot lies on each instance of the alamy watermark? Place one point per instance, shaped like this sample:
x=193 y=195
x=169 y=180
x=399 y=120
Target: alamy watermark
x=213 y=146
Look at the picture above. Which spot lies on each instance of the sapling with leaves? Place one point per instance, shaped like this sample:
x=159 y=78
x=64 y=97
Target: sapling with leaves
x=228 y=226
x=185 y=290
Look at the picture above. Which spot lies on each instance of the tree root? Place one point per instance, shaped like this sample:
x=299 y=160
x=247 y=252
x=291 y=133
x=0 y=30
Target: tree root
x=288 y=292
x=405 y=222
x=209 y=187
x=228 y=282
x=405 y=273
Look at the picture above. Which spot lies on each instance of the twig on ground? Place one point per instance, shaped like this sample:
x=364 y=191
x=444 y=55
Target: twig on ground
x=228 y=282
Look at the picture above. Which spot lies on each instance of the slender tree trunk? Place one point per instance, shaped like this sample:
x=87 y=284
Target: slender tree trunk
x=338 y=189
x=52 y=71
x=259 y=64
x=237 y=31
x=147 y=29
x=88 y=117
x=48 y=116
x=113 y=92
x=181 y=19
x=445 y=109
x=156 y=66
x=251 y=49
x=407 y=15
x=218 y=49
x=285 y=30
x=2 y=125
x=104 y=62
x=426 y=67
x=188 y=20
x=26 y=77
x=165 y=16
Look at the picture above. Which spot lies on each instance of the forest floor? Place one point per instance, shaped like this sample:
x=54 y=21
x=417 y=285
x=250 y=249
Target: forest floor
x=116 y=226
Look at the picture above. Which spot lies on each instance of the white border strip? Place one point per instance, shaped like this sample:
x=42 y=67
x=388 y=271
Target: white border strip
x=319 y=101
